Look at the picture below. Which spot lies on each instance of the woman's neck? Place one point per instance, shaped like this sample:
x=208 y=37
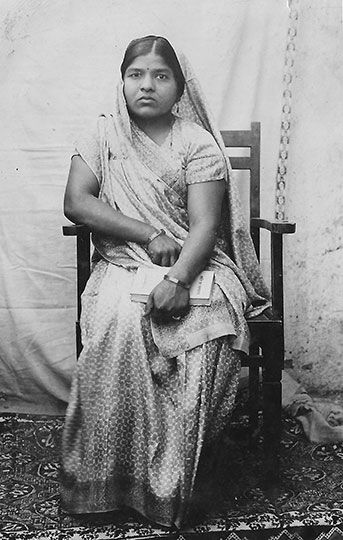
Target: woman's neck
x=156 y=128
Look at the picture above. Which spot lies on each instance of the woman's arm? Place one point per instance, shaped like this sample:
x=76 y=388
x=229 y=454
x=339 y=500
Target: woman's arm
x=81 y=205
x=204 y=212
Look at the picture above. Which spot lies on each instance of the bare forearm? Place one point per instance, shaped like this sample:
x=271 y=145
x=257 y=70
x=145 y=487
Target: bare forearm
x=204 y=212
x=195 y=253
x=102 y=218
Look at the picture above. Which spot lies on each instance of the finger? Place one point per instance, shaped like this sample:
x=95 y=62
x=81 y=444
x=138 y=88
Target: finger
x=178 y=249
x=173 y=258
x=160 y=316
x=156 y=259
x=178 y=315
x=156 y=317
x=149 y=306
x=165 y=261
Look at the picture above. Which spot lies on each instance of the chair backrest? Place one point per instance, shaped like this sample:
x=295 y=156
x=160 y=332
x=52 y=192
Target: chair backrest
x=248 y=139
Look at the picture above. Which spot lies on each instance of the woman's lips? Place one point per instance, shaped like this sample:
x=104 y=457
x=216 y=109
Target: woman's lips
x=146 y=99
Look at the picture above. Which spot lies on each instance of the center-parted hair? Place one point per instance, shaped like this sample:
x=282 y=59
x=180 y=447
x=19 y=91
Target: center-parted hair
x=160 y=46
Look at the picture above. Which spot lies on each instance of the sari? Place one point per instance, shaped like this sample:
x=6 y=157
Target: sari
x=149 y=398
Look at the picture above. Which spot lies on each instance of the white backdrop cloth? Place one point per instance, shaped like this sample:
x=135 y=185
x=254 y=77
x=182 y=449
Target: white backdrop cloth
x=59 y=66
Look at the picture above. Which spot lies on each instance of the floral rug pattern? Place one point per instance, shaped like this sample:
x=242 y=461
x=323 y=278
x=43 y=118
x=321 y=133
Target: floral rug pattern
x=308 y=504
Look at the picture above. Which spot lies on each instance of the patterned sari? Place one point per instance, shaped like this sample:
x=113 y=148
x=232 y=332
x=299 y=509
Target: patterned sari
x=147 y=398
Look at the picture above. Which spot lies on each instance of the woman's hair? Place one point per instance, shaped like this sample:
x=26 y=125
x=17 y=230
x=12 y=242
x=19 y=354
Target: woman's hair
x=160 y=46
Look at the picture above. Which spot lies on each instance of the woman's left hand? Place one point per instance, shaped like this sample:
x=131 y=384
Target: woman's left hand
x=167 y=302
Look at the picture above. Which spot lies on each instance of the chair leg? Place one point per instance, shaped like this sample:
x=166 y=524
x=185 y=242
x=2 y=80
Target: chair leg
x=272 y=409
x=78 y=339
x=271 y=431
x=253 y=404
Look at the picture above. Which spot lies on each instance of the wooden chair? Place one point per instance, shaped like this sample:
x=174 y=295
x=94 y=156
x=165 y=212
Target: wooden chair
x=267 y=330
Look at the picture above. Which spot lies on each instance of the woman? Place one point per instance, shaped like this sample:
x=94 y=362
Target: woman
x=155 y=383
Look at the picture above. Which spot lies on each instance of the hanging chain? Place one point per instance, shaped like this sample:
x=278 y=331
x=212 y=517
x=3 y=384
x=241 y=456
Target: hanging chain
x=280 y=202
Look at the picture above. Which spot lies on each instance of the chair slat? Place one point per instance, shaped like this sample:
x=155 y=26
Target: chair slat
x=240 y=163
x=248 y=139
x=237 y=139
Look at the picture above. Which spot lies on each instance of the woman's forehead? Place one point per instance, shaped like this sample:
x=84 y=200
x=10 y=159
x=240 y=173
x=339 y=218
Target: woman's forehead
x=149 y=61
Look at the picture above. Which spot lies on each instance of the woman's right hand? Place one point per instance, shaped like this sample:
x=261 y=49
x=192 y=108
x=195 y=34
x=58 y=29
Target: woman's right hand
x=164 y=251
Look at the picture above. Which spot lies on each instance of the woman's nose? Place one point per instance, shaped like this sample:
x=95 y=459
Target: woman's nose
x=147 y=82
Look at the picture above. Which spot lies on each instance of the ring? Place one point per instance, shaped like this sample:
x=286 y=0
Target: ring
x=176 y=318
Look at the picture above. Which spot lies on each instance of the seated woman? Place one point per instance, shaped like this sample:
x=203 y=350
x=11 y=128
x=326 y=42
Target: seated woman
x=155 y=383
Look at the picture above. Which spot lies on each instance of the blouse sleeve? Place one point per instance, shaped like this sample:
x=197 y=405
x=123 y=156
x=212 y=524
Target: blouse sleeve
x=88 y=147
x=205 y=161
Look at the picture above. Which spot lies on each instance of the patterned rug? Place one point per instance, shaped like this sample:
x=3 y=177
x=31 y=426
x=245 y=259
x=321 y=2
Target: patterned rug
x=309 y=504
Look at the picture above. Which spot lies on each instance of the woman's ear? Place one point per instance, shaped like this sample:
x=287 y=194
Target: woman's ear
x=176 y=107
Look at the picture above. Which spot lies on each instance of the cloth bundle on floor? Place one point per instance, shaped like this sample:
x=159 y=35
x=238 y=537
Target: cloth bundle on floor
x=321 y=419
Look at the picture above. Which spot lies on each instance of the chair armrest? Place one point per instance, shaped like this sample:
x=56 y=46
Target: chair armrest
x=276 y=227
x=83 y=259
x=277 y=230
x=75 y=230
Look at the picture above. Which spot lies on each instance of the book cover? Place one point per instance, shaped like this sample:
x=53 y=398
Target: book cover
x=146 y=280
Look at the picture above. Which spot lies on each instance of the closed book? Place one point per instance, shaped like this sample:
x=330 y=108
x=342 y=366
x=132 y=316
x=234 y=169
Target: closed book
x=146 y=280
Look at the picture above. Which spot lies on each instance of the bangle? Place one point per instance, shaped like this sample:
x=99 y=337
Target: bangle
x=154 y=235
x=176 y=281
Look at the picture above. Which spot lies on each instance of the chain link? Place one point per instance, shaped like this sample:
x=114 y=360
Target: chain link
x=281 y=183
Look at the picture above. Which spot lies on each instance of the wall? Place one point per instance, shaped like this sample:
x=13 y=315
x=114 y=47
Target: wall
x=59 y=64
x=314 y=256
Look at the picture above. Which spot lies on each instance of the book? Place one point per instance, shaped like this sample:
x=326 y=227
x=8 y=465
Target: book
x=146 y=280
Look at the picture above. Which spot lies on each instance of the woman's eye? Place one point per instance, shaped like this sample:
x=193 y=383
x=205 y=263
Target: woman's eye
x=135 y=75
x=162 y=76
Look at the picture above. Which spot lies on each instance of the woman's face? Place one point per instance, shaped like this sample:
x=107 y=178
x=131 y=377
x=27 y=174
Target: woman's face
x=150 y=87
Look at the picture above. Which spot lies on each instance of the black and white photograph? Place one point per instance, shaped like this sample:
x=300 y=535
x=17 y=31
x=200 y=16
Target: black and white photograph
x=171 y=270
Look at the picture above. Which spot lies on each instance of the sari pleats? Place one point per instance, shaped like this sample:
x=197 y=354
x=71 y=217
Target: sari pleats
x=137 y=422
